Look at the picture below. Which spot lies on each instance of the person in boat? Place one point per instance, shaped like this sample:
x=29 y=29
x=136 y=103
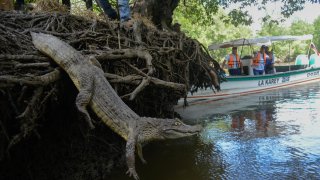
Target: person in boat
x=234 y=62
x=269 y=68
x=259 y=61
x=314 y=48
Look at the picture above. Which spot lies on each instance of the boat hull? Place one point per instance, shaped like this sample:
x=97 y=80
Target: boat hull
x=243 y=85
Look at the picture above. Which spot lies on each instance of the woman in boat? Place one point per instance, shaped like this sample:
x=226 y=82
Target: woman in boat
x=269 y=69
x=234 y=63
x=259 y=61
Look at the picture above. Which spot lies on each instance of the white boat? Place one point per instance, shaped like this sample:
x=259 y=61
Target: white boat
x=285 y=76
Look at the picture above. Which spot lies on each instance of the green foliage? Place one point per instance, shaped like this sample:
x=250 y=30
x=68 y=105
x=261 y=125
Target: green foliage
x=316 y=32
x=220 y=30
x=195 y=24
x=272 y=28
x=292 y=6
x=206 y=21
x=300 y=27
x=281 y=49
x=239 y=16
x=197 y=8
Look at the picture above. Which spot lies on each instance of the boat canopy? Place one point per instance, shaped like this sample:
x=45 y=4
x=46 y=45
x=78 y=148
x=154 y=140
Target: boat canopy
x=267 y=40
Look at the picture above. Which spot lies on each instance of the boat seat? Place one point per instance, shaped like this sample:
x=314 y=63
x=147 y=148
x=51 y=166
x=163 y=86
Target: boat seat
x=247 y=57
x=297 y=67
x=314 y=60
x=290 y=68
x=302 y=59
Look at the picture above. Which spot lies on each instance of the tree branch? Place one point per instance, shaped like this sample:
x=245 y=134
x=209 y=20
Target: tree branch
x=35 y=81
x=23 y=57
x=126 y=54
x=136 y=79
x=145 y=82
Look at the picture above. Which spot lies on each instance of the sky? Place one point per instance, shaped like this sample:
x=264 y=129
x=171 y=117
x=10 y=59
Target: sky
x=309 y=14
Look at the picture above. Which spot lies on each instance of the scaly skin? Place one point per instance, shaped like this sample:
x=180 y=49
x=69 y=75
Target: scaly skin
x=95 y=91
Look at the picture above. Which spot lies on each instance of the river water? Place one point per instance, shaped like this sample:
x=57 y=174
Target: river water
x=271 y=135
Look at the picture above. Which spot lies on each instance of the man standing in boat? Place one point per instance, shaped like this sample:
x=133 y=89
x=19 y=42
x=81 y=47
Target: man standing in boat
x=234 y=63
x=259 y=61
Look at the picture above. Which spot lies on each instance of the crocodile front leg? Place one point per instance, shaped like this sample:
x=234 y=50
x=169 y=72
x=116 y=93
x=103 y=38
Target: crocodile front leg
x=130 y=156
x=84 y=97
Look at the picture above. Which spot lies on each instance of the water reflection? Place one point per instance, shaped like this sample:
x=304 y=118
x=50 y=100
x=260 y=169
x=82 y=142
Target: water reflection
x=273 y=135
x=238 y=121
x=276 y=137
x=259 y=121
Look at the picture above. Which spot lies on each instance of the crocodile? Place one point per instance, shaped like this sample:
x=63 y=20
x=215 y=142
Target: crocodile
x=97 y=93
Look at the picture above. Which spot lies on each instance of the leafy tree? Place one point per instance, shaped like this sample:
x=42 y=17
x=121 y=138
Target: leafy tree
x=217 y=32
x=300 y=27
x=206 y=21
x=316 y=32
x=240 y=16
x=160 y=12
x=272 y=28
x=281 y=49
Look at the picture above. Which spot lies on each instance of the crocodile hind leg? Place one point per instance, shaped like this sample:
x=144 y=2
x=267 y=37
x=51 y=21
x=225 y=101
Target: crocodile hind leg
x=84 y=98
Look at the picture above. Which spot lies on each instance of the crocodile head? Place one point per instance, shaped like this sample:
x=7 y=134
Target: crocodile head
x=159 y=129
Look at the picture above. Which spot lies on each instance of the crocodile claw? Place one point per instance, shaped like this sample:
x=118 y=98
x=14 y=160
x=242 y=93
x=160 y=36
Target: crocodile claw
x=143 y=161
x=132 y=173
x=91 y=126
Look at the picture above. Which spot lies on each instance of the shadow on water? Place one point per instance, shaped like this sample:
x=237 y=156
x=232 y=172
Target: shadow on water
x=182 y=159
x=272 y=135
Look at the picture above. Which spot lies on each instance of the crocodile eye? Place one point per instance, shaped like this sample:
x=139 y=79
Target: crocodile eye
x=177 y=123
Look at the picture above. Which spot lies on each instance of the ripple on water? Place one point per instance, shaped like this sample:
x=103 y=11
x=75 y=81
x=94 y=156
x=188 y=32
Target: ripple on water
x=278 y=138
x=272 y=135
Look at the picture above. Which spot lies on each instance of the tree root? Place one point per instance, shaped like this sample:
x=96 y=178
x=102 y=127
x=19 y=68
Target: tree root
x=136 y=80
x=36 y=96
x=128 y=53
x=152 y=70
x=145 y=82
x=30 y=114
x=32 y=81
x=23 y=58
